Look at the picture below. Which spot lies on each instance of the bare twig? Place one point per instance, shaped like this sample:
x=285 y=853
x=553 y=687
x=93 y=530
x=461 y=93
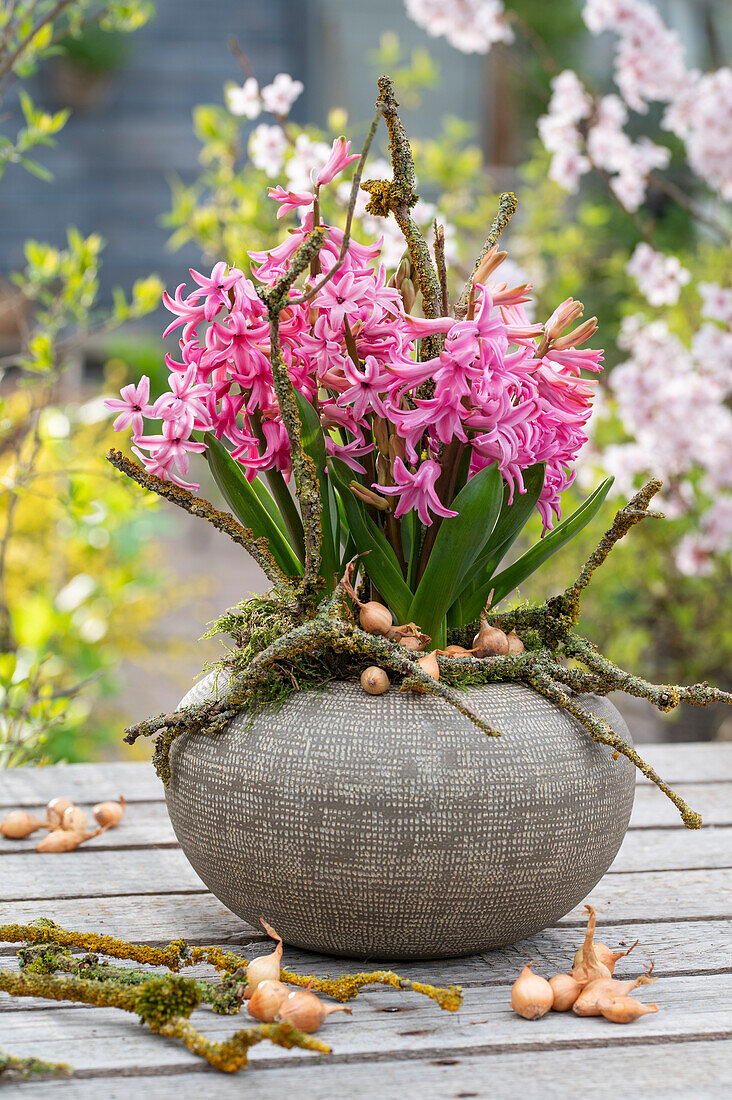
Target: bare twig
x=441 y=267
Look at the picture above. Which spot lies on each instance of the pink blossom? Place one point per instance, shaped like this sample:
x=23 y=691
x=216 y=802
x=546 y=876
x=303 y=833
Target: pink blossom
x=279 y=96
x=160 y=466
x=289 y=200
x=186 y=402
x=416 y=491
x=132 y=407
x=173 y=446
x=345 y=296
x=472 y=26
x=363 y=395
x=216 y=287
x=337 y=161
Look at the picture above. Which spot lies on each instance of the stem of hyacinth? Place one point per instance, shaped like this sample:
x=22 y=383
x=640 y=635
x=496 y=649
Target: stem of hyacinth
x=445 y=489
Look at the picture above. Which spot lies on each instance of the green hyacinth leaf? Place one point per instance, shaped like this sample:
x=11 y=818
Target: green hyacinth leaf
x=247 y=505
x=459 y=543
x=380 y=563
x=511 y=522
x=313 y=444
x=528 y=563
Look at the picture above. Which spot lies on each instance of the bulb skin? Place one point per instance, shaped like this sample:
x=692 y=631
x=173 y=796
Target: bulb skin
x=531 y=995
x=375 y=681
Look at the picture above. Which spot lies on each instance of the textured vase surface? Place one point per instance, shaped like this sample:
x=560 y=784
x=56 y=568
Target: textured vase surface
x=392 y=827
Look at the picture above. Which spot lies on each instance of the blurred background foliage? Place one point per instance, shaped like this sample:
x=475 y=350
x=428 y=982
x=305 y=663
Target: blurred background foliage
x=81 y=565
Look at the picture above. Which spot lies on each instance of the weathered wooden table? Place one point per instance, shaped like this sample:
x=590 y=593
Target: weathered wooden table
x=669 y=888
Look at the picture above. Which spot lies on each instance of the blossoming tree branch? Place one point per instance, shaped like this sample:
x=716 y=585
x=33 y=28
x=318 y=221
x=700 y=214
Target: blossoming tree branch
x=418 y=446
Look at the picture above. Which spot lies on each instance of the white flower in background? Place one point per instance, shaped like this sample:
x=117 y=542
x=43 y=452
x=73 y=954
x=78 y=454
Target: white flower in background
x=716 y=302
x=267 y=146
x=244 y=100
x=694 y=557
x=309 y=157
x=560 y=133
x=659 y=278
x=672 y=402
x=702 y=116
x=472 y=26
x=711 y=347
x=649 y=56
x=279 y=96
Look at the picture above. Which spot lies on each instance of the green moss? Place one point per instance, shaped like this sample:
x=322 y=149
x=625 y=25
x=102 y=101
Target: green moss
x=160 y=999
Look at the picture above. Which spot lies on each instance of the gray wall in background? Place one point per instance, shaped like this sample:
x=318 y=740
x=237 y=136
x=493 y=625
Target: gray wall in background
x=341 y=37
x=112 y=164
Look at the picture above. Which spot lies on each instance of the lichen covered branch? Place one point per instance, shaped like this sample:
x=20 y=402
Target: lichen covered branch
x=506 y=209
x=328 y=644
x=49 y=952
x=397 y=196
x=222 y=521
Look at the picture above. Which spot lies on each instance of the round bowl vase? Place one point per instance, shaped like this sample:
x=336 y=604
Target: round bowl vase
x=391 y=826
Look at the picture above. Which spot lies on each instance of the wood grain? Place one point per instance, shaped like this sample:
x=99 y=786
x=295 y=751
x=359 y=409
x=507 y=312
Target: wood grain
x=660 y=1071
x=104 y=1039
x=686 y=948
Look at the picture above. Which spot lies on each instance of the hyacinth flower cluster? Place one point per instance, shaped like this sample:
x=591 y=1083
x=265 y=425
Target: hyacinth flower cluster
x=411 y=420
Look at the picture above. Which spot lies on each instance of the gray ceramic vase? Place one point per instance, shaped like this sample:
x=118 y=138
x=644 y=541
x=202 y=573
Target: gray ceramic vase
x=391 y=827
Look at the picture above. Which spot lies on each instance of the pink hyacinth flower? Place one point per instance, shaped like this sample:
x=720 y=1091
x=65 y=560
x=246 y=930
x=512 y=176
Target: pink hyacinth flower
x=416 y=491
x=216 y=287
x=186 y=401
x=173 y=446
x=336 y=162
x=132 y=407
x=161 y=467
x=289 y=200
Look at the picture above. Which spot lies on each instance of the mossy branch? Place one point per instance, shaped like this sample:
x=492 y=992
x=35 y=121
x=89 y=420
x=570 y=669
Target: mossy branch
x=398 y=196
x=258 y=548
x=28 y=1068
x=277 y=299
x=506 y=209
x=164 y=1003
x=49 y=952
x=333 y=637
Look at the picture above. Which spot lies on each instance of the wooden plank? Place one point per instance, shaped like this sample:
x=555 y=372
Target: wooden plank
x=145 y=824
x=671 y=849
x=86 y=873
x=694 y=762
x=98 y=870
x=620 y=899
x=659 y=1071
x=83 y=783
x=653 y=810
x=690 y=762
x=384 y=1021
x=685 y=948
x=150 y=919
